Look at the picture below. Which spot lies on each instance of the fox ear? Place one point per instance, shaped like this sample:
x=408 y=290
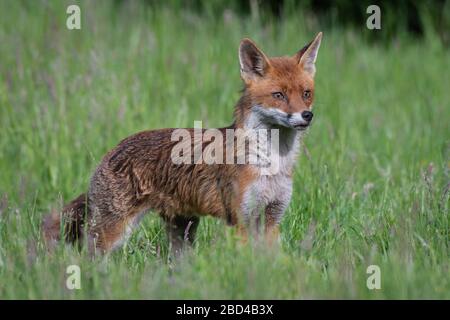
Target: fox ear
x=253 y=62
x=308 y=54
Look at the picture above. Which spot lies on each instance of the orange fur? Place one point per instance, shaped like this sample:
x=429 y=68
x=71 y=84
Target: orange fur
x=138 y=175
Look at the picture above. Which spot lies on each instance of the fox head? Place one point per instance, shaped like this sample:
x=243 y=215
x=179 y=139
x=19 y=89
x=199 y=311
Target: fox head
x=279 y=91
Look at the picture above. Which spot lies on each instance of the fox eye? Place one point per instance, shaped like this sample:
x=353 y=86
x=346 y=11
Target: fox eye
x=278 y=95
x=306 y=94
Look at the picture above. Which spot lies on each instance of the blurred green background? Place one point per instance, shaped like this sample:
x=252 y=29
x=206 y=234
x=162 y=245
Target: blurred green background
x=371 y=187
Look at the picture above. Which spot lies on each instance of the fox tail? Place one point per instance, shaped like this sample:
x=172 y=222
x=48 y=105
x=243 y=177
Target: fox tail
x=68 y=224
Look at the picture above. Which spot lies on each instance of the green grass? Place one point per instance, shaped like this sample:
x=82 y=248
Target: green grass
x=371 y=187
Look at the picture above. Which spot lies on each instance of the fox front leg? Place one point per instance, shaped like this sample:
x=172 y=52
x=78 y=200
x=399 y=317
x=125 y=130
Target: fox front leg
x=262 y=223
x=181 y=231
x=273 y=214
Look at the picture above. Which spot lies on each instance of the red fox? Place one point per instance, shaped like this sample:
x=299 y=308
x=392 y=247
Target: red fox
x=139 y=174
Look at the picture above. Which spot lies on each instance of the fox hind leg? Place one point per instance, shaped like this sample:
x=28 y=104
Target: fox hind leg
x=112 y=233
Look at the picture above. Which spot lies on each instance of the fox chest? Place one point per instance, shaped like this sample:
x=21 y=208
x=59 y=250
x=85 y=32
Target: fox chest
x=271 y=189
x=265 y=191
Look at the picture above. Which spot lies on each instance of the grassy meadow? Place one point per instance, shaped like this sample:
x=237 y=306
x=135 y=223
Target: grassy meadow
x=371 y=186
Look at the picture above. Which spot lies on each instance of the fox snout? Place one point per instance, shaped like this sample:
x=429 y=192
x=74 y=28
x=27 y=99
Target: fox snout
x=300 y=120
x=296 y=120
x=307 y=116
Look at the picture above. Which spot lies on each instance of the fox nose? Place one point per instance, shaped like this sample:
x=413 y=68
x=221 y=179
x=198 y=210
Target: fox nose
x=307 y=115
